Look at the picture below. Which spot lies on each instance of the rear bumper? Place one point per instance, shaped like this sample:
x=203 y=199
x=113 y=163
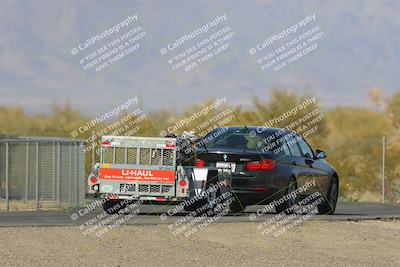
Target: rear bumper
x=260 y=189
x=255 y=197
x=145 y=199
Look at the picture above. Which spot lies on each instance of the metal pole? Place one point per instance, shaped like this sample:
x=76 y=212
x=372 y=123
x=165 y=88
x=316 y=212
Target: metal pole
x=54 y=170
x=37 y=175
x=383 y=167
x=93 y=150
x=7 y=182
x=27 y=172
x=101 y=155
x=70 y=173
x=76 y=174
x=58 y=173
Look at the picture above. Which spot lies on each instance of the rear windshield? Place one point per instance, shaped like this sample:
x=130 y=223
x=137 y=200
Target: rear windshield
x=237 y=139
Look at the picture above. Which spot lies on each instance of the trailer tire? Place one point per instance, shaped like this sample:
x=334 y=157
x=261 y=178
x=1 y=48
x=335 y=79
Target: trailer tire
x=194 y=206
x=112 y=206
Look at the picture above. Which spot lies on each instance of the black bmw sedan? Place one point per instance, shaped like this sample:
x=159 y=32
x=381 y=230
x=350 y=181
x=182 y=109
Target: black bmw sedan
x=270 y=166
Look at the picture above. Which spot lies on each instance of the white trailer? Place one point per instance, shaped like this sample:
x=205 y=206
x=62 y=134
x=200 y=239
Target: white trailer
x=145 y=168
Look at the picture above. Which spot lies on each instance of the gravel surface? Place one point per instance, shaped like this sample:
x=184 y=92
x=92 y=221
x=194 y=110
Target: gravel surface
x=314 y=243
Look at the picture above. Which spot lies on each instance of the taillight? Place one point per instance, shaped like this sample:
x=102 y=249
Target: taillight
x=200 y=163
x=263 y=165
x=93 y=180
x=262 y=189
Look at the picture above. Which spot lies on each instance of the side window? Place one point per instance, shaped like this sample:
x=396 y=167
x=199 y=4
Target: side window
x=285 y=149
x=294 y=148
x=306 y=149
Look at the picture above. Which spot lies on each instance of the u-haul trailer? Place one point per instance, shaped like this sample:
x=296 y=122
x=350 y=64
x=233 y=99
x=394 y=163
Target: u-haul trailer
x=145 y=168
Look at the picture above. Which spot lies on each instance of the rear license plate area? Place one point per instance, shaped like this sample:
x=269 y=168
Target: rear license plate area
x=226 y=166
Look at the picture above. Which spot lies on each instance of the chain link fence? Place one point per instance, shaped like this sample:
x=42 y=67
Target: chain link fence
x=45 y=173
x=41 y=173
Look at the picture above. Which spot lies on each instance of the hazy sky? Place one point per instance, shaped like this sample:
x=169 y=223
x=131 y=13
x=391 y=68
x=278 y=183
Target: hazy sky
x=357 y=50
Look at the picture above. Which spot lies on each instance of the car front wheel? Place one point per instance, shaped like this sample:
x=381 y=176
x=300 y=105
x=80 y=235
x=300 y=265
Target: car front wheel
x=328 y=206
x=237 y=206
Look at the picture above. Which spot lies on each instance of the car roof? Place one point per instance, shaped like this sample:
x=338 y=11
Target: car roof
x=257 y=129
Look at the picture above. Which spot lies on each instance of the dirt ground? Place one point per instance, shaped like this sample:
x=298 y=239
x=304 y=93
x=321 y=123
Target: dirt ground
x=313 y=243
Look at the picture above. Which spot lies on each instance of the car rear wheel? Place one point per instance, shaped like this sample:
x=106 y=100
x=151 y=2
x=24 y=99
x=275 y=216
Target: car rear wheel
x=328 y=206
x=287 y=202
x=211 y=198
x=207 y=204
x=236 y=206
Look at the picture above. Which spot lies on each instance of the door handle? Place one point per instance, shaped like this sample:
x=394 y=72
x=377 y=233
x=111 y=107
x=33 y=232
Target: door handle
x=294 y=163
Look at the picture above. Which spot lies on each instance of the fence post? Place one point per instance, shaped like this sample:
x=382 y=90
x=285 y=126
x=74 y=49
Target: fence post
x=54 y=171
x=58 y=174
x=7 y=182
x=37 y=175
x=27 y=172
x=70 y=174
x=76 y=174
x=93 y=150
x=383 y=167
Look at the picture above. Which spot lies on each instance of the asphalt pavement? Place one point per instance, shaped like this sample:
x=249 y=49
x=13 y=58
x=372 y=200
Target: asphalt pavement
x=158 y=214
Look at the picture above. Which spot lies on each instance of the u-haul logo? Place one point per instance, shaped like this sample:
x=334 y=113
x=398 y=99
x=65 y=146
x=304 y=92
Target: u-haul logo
x=145 y=173
x=160 y=176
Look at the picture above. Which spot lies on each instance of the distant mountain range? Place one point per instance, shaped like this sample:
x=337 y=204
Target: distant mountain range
x=360 y=50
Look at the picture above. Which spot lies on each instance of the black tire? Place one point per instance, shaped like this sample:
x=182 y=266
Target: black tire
x=210 y=199
x=207 y=204
x=112 y=206
x=287 y=206
x=237 y=206
x=194 y=206
x=328 y=206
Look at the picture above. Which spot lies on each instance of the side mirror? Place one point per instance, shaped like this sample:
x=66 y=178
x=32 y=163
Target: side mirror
x=320 y=154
